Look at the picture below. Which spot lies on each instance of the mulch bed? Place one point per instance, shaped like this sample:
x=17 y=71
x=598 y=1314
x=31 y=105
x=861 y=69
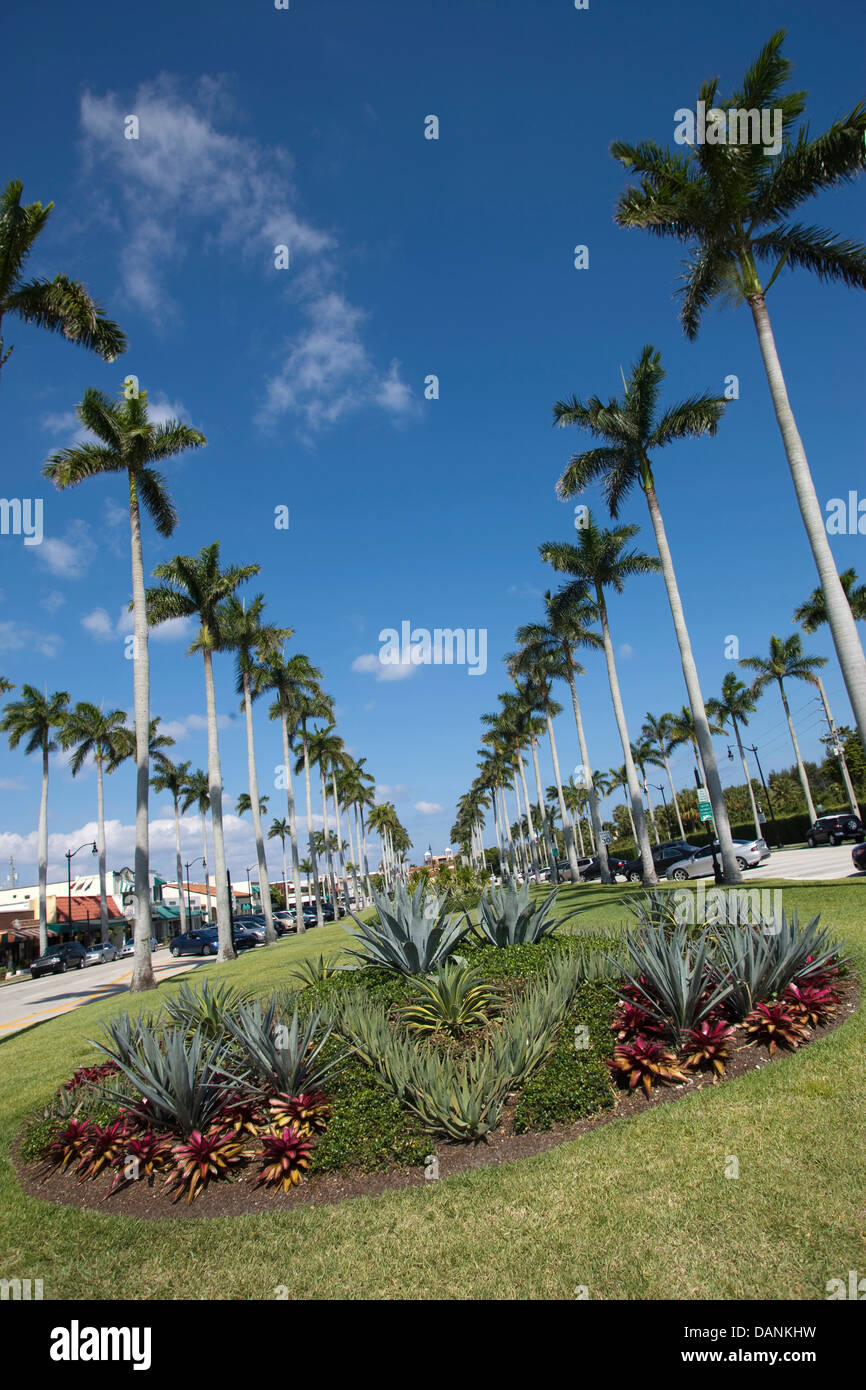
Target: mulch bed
x=240 y=1198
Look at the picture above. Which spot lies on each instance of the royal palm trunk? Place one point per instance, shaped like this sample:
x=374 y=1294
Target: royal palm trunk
x=252 y=775
x=311 y=842
x=293 y=829
x=599 y=845
x=43 y=854
x=804 y=781
x=638 y=816
x=566 y=825
x=142 y=965
x=100 y=849
x=215 y=787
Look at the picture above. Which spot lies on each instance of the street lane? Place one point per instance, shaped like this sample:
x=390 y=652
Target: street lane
x=27 y=1001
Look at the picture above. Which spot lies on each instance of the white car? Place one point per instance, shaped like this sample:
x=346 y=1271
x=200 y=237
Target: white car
x=128 y=947
x=749 y=854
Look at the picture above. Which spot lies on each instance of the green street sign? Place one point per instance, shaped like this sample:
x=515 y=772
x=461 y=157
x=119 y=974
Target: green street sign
x=705 y=810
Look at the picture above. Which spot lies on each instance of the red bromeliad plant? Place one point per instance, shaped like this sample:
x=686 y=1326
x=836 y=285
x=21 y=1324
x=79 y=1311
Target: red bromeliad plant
x=68 y=1144
x=776 y=1023
x=89 y=1076
x=707 y=1045
x=102 y=1148
x=307 y=1113
x=144 y=1155
x=815 y=1003
x=645 y=1061
x=629 y=1020
x=287 y=1157
x=244 y=1116
x=200 y=1158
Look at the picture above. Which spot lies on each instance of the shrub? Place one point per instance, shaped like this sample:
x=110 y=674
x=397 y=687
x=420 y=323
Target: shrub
x=573 y=1081
x=454 y=998
x=412 y=935
x=368 y=1128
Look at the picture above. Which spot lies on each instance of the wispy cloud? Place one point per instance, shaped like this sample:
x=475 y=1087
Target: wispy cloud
x=15 y=636
x=70 y=555
x=428 y=808
x=369 y=664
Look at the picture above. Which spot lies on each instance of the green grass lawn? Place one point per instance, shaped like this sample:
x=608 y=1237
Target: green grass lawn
x=637 y=1209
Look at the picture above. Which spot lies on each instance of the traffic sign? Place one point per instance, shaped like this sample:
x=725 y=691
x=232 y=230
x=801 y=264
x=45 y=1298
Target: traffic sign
x=605 y=837
x=705 y=810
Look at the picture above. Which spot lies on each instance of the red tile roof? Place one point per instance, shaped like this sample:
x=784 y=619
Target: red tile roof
x=84 y=907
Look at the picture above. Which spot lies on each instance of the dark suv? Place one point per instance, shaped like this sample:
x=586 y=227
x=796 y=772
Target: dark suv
x=66 y=955
x=664 y=855
x=832 y=830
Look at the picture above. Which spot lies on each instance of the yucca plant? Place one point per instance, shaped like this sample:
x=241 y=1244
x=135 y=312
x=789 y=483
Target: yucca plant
x=776 y=1024
x=413 y=934
x=201 y=1158
x=668 y=975
x=455 y=997
x=508 y=916
x=182 y=1081
x=707 y=1045
x=643 y=1061
x=281 y=1057
x=286 y=1157
x=308 y=1113
x=203 y=1009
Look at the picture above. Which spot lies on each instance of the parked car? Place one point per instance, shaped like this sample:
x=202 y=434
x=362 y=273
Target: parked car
x=832 y=830
x=284 y=921
x=664 y=855
x=589 y=868
x=858 y=857
x=65 y=955
x=100 y=953
x=253 y=922
x=128 y=947
x=749 y=854
x=205 y=942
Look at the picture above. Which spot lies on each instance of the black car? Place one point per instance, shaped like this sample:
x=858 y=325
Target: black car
x=590 y=868
x=205 y=942
x=664 y=855
x=832 y=830
x=858 y=857
x=65 y=955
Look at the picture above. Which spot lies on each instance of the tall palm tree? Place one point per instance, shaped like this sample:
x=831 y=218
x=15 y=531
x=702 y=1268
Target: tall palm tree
x=658 y=731
x=618 y=781
x=325 y=753
x=631 y=432
x=6 y=685
x=244 y=804
x=196 y=792
x=173 y=778
x=813 y=613
x=252 y=641
x=540 y=669
x=280 y=830
x=786 y=661
x=601 y=561
x=644 y=755
x=130 y=443
x=195 y=586
x=735 y=706
x=36 y=718
x=731 y=205
x=311 y=703
x=568 y=626
x=290 y=680
x=94 y=734
x=60 y=305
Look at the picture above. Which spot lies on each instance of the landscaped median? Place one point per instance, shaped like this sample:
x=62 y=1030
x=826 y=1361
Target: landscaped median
x=752 y=1188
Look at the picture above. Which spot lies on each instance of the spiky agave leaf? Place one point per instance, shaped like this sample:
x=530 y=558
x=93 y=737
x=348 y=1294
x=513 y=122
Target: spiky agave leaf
x=452 y=999
x=668 y=976
x=183 y=1081
x=507 y=916
x=282 y=1057
x=411 y=936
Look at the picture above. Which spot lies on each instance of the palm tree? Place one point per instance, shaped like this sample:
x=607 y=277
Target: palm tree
x=813 y=613
x=601 y=561
x=196 y=586
x=644 y=756
x=173 y=778
x=735 y=706
x=568 y=626
x=731 y=204
x=540 y=669
x=618 y=781
x=251 y=640
x=280 y=830
x=658 y=731
x=310 y=703
x=60 y=305
x=786 y=661
x=6 y=685
x=631 y=432
x=325 y=753
x=244 y=804
x=290 y=679
x=94 y=734
x=131 y=444
x=36 y=717
x=196 y=792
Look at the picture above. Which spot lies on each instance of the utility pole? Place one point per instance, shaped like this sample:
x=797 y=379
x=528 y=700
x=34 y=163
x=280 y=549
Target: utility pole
x=836 y=747
x=753 y=749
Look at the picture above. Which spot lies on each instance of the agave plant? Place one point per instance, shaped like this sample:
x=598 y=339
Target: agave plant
x=202 y=1009
x=452 y=999
x=123 y=1036
x=183 y=1081
x=287 y=1156
x=761 y=965
x=669 y=977
x=776 y=1023
x=412 y=935
x=707 y=1045
x=201 y=1158
x=308 y=1114
x=643 y=1061
x=508 y=917
x=281 y=1057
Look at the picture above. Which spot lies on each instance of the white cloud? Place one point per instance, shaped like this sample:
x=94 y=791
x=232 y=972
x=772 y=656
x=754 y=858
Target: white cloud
x=428 y=808
x=99 y=625
x=69 y=556
x=183 y=169
x=369 y=664
x=625 y=651
x=53 y=601
x=19 y=637
x=175 y=630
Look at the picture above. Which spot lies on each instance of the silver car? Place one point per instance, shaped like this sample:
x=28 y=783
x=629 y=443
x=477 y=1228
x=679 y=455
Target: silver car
x=749 y=854
x=100 y=953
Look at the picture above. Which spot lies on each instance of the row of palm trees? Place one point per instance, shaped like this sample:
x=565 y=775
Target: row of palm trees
x=730 y=205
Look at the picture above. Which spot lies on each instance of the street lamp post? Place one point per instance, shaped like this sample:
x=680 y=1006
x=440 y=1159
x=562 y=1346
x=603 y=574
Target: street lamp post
x=248 y=869
x=188 y=865
x=778 y=833
x=70 y=855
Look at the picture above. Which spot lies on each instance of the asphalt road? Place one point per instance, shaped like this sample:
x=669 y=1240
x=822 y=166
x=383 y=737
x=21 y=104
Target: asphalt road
x=27 y=1001
x=825 y=861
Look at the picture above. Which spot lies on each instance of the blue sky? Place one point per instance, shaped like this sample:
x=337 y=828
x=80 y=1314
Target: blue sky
x=409 y=257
